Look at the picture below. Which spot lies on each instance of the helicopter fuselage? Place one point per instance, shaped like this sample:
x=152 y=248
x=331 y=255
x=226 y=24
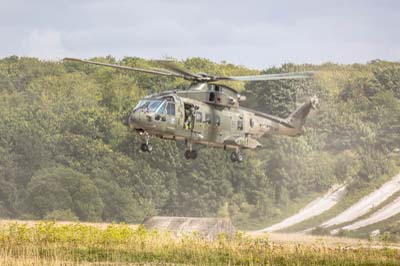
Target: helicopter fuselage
x=217 y=120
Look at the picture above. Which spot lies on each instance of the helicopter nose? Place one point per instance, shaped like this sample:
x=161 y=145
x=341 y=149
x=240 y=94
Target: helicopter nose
x=134 y=118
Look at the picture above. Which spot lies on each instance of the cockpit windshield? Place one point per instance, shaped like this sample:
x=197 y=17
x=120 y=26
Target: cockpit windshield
x=153 y=105
x=159 y=106
x=140 y=104
x=149 y=105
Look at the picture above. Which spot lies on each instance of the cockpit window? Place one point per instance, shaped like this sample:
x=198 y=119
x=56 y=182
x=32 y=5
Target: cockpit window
x=153 y=105
x=171 y=108
x=140 y=104
x=161 y=108
x=157 y=106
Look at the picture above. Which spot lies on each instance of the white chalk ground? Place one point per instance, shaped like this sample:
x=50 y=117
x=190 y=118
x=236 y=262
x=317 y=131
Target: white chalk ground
x=314 y=208
x=384 y=213
x=367 y=203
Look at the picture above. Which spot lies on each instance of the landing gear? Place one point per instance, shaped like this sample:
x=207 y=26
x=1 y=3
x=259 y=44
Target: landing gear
x=190 y=153
x=236 y=156
x=146 y=147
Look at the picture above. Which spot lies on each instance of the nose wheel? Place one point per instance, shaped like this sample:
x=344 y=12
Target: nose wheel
x=146 y=146
x=190 y=154
x=237 y=156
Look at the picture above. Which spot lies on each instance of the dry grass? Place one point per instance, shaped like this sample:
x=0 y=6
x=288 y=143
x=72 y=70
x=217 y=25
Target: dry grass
x=46 y=243
x=327 y=241
x=30 y=223
x=8 y=260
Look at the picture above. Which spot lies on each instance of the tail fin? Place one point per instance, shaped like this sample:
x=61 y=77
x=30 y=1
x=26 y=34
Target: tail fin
x=298 y=117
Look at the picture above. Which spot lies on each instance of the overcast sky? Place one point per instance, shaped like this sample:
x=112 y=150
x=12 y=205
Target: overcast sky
x=254 y=33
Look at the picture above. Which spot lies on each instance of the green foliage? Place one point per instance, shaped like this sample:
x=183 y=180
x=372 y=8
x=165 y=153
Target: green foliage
x=59 y=188
x=66 y=151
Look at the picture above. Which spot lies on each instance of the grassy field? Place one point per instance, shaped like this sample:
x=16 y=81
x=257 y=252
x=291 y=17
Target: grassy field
x=49 y=243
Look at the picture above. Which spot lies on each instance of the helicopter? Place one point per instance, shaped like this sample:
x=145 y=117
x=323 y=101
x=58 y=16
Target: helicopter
x=209 y=113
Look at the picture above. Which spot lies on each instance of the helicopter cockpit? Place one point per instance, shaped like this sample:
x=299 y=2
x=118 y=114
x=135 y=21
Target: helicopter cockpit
x=148 y=110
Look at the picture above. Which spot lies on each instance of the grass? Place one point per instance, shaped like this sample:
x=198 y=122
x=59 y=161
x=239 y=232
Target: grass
x=48 y=243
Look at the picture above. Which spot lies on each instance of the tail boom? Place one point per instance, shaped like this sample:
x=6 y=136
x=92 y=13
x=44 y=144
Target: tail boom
x=297 y=119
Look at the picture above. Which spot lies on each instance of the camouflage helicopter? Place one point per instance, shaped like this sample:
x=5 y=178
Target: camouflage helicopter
x=209 y=113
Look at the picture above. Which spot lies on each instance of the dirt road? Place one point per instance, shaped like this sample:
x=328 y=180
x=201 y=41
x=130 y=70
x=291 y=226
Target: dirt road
x=367 y=203
x=386 y=212
x=314 y=208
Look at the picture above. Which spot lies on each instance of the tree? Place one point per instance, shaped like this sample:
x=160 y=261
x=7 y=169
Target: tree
x=62 y=189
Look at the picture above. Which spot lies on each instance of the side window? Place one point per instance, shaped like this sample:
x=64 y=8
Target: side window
x=199 y=117
x=211 y=97
x=240 y=124
x=217 y=120
x=207 y=119
x=171 y=109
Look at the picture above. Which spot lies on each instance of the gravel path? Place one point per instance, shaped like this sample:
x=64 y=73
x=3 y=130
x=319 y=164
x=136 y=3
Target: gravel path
x=384 y=213
x=314 y=208
x=367 y=203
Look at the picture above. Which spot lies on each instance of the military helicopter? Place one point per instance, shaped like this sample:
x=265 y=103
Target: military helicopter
x=209 y=113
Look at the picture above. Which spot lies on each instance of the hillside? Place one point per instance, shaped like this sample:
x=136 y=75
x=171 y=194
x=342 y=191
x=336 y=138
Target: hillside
x=66 y=152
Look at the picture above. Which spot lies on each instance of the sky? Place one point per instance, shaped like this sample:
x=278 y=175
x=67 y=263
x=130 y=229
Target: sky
x=253 y=33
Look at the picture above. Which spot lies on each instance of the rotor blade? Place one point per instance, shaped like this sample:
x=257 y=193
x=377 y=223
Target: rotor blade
x=170 y=64
x=148 y=71
x=292 y=75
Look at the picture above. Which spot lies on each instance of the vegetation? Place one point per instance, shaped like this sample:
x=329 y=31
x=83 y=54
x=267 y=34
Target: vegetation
x=66 y=152
x=77 y=244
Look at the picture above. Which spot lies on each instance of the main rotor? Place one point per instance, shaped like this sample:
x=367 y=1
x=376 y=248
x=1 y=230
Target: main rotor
x=171 y=69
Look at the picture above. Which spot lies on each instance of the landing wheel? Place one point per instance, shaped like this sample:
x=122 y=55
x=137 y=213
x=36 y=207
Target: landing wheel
x=193 y=154
x=190 y=154
x=146 y=147
x=236 y=157
x=239 y=157
x=233 y=157
x=149 y=147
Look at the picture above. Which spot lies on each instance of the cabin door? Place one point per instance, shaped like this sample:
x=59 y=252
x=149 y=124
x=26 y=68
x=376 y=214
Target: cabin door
x=171 y=120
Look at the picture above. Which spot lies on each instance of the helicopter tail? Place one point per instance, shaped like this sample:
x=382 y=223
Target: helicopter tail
x=298 y=117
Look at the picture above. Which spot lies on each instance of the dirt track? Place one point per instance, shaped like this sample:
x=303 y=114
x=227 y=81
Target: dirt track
x=386 y=212
x=367 y=203
x=314 y=208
